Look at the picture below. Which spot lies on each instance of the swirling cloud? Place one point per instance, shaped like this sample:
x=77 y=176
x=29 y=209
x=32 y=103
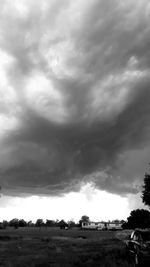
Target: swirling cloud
x=74 y=95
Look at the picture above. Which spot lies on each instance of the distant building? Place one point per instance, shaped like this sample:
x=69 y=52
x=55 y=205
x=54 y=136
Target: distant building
x=101 y=226
x=94 y=225
x=114 y=226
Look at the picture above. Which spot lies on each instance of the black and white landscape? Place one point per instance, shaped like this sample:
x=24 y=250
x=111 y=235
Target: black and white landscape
x=74 y=109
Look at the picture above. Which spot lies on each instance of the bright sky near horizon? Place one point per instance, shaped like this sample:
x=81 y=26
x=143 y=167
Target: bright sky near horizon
x=98 y=205
x=74 y=107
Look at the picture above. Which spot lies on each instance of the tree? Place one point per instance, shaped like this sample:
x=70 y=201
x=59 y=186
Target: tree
x=62 y=224
x=71 y=223
x=5 y=224
x=22 y=223
x=14 y=222
x=83 y=219
x=30 y=224
x=50 y=223
x=39 y=223
x=146 y=190
x=139 y=218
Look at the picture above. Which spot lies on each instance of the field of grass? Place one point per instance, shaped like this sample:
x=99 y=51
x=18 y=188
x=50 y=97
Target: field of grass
x=30 y=247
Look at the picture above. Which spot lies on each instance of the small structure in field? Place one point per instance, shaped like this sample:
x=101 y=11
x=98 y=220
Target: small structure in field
x=114 y=226
x=101 y=226
x=93 y=225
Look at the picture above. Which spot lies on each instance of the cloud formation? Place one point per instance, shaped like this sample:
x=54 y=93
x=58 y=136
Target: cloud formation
x=74 y=95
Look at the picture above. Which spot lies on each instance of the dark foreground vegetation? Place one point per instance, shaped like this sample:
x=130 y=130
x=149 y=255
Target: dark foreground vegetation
x=29 y=247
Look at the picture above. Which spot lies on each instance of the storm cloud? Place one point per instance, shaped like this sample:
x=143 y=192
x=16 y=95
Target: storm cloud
x=74 y=95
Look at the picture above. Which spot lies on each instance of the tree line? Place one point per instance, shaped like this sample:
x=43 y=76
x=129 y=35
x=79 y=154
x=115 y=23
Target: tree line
x=16 y=223
x=62 y=224
x=139 y=218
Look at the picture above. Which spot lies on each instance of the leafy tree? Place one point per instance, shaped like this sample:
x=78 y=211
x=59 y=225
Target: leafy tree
x=50 y=223
x=57 y=222
x=22 y=223
x=5 y=224
x=71 y=223
x=30 y=224
x=146 y=190
x=139 y=218
x=84 y=218
x=62 y=224
x=39 y=223
x=14 y=222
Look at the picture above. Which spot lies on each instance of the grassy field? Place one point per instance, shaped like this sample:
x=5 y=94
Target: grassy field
x=29 y=247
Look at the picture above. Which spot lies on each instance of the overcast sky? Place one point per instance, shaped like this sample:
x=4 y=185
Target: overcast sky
x=74 y=101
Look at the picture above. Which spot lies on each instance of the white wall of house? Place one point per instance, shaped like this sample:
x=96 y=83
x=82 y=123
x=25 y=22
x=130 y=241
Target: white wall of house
x=93 y=225
x=101 y=226
x=114 y=226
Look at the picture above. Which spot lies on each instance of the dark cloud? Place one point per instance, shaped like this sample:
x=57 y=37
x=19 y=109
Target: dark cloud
x=75 y=87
